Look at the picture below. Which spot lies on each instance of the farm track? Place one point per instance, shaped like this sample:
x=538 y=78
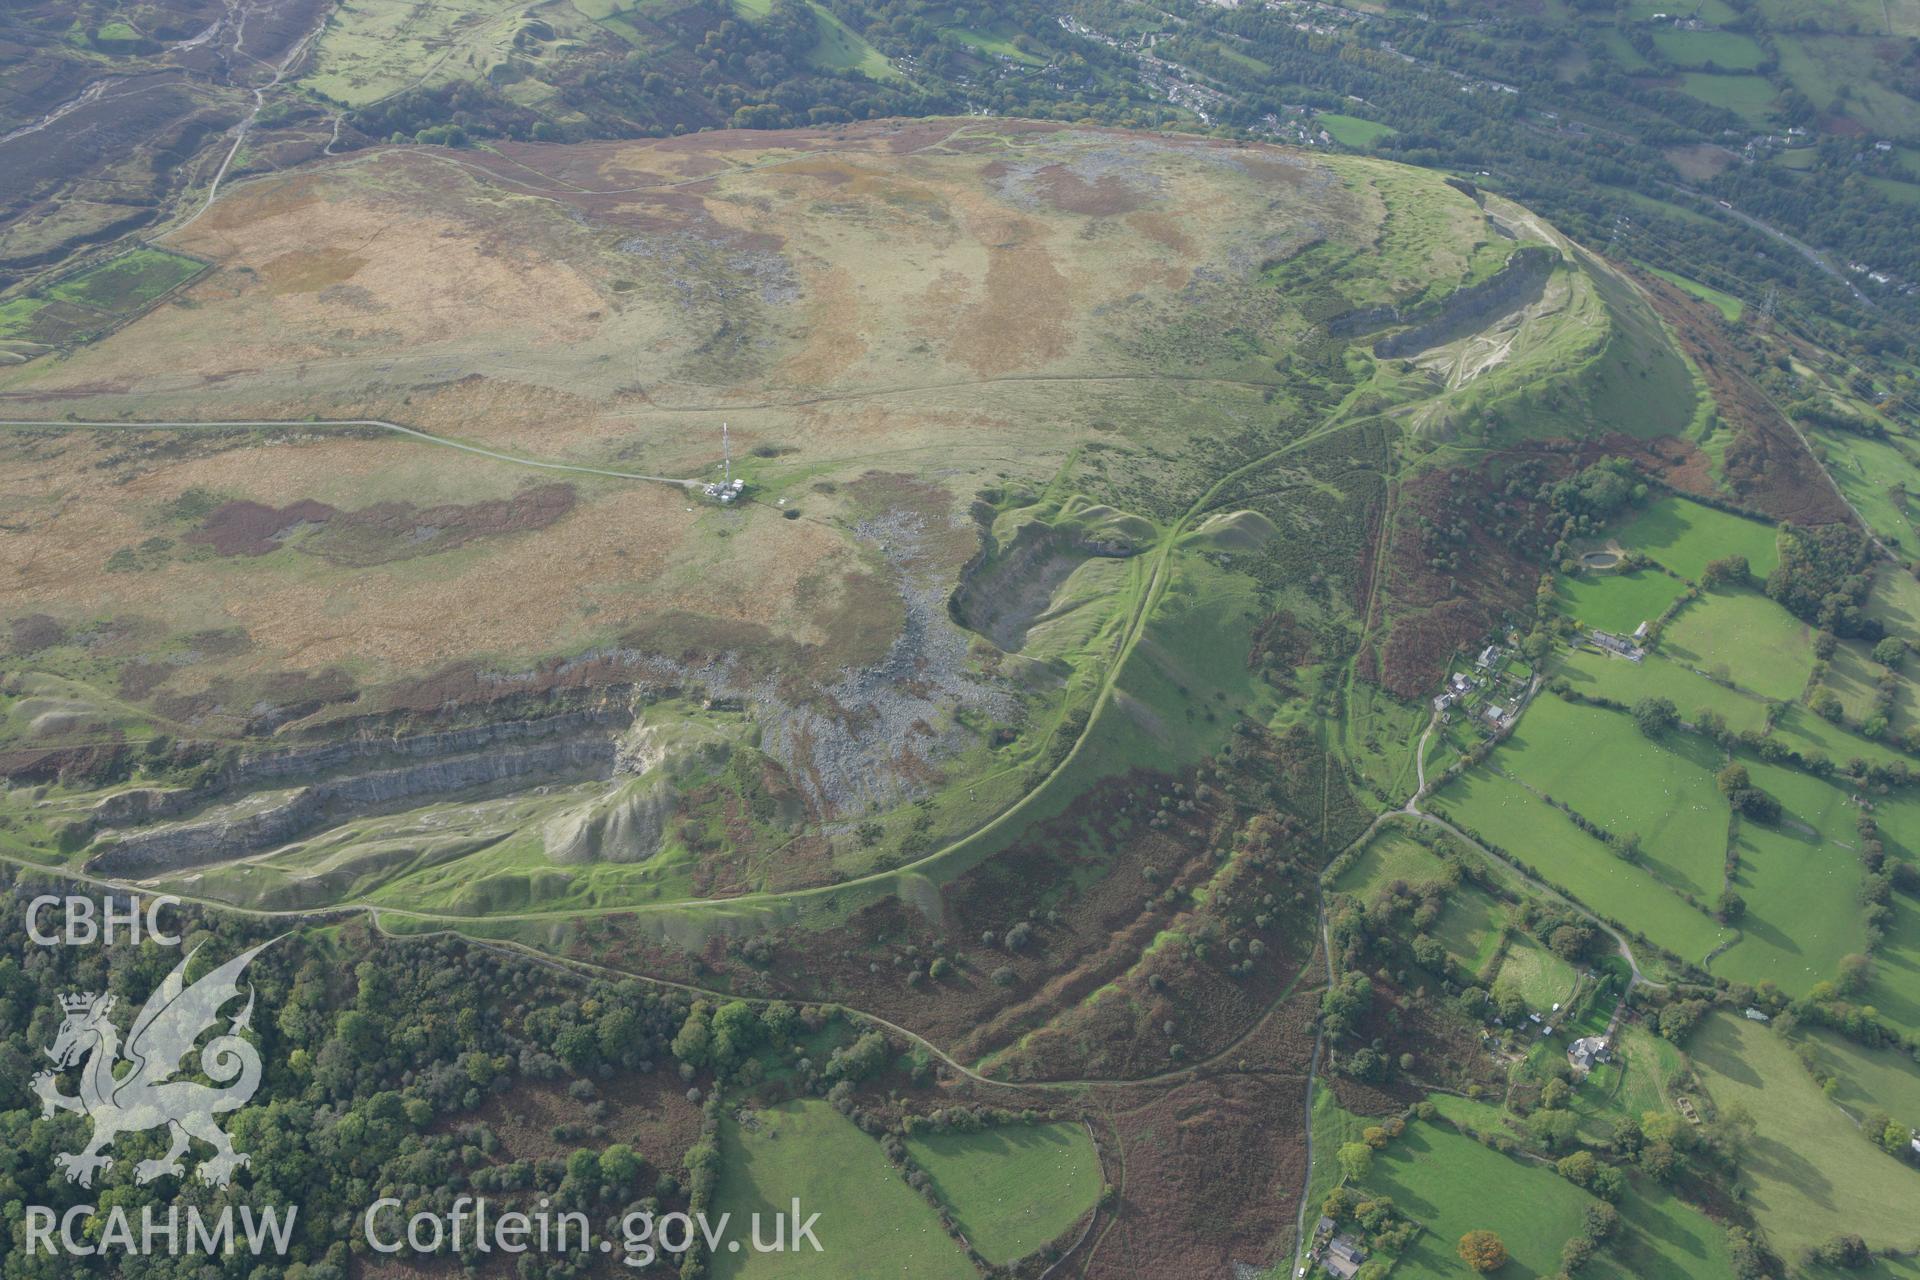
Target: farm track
x=396 y=428
x=1411 y=811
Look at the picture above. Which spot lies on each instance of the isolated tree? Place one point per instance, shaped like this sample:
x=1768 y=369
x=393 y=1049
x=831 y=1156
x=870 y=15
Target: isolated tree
x=1732 y=778
x=1731 y=571
x=1356 y=1161
x=1655 y=716
x=1846 y=1251
x=1483 y=1250
x=1890 y=651
x=1856 y=974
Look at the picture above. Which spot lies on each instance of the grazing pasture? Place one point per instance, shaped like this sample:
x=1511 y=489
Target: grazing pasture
x=874 y=1215
x=1597 y=762
x=1744 y=637
x=1601 y=675
x=1686 y=537
x=1801 y=881
x=1617 y=602
x=1015 y=1187
x=1807 y=1172
x=1451 y=1185
x=1568 y=858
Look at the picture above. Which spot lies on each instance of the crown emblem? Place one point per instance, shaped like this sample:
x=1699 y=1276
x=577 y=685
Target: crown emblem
x=79 y=1002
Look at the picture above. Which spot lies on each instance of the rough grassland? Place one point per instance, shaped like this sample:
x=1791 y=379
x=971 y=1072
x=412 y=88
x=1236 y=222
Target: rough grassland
x=1451 y=1185
x=374 y=49
x=1808 y=1171
x=1472 y=922
x=1599 y=763
x=1542 y=979
x=1686 y=537
x=1744 y=637
x=1601 y=675
x=1869 y=472
x=1013 y=1188
x=866 y=1211
x=1391 y=855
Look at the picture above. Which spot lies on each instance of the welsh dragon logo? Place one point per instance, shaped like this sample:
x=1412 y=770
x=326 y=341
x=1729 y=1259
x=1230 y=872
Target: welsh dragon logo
x=146 y=1097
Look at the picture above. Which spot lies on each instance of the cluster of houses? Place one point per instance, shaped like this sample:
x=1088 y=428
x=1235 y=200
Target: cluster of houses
x=1340 y=1255
x=1480 y=694
x=1627 y=647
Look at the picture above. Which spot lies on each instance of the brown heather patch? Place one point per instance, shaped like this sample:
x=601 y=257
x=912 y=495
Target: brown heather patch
x=249 y=528
x=309 y=270
x=1767 y=464
x=1069 y=192
x=1163 y=228
x=1021 y=324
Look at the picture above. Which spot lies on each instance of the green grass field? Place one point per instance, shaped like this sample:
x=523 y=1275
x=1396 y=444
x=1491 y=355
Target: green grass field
x=1807 y=732
x=1617 y=602
x=377 y=48
x=1854 y=677
x=1895 y=601
x=1728 y=306
x=85 y=304
x=1821 y=65
x=1601 y=675
x=1451 y=1185
x=1801 y=882
x=1352 y=131
x=1749 y=97
x=840 y=48
x=1725 y=50
x=1014 y=1188
x=995 y=43
x=1567 y=857
x=1333 y=1127
x=1868 y=472
x=1598 y=762
x=1868 y=16
x=1808 y=1172
x=809 y=1150
x=16 y=316
x=1472 y=922
x=1634 y=1083
x=1869 y=1079
x=128 y=282
x=1686 y=537
x=1661 y=1237
x=1895 y=987
x=1391 y=855
x=1744 y=637
x=1541 y=978
x=1894 y=189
